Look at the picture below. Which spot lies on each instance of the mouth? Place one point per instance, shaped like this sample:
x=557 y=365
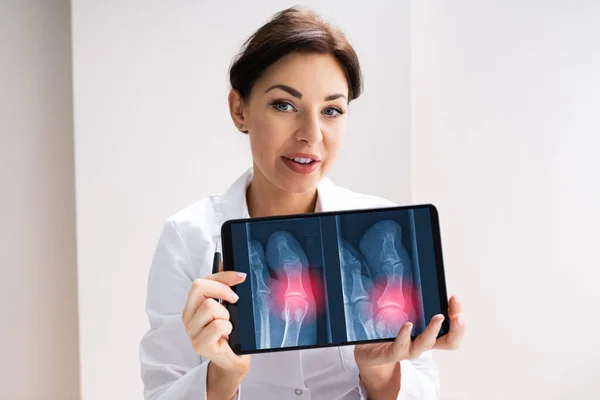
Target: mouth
x=302 y=163
x=302 y=158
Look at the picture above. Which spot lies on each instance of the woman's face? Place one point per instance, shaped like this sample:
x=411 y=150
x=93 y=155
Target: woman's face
x=295 y=117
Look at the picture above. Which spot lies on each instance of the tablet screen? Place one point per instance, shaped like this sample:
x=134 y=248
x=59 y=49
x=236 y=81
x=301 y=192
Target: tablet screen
x=328 y=279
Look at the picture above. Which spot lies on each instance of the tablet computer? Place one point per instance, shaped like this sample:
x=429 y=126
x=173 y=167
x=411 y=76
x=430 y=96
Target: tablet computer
x=334 y=278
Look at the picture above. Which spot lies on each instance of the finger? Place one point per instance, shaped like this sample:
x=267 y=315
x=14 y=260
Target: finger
x=401 y=346
x=452 y=340
x=454 y=307
x=213 y=332
x=427 y=339
x=208 y=311
x=200 y=291
x=229 y=278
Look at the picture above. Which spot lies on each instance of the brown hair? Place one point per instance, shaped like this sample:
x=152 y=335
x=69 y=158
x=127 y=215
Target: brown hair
x=294 y=29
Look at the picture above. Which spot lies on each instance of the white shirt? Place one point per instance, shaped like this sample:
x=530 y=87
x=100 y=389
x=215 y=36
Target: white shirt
x=171 y=369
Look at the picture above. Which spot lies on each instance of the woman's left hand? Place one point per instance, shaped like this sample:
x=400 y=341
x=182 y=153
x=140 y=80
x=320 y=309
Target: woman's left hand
x=404 y=349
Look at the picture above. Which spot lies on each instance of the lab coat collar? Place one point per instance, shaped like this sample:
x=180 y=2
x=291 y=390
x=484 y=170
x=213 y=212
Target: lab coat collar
x=234 y=204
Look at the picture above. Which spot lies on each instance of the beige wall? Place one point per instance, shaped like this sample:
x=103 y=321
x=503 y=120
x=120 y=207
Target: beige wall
x=505 y=140
x=38 y=293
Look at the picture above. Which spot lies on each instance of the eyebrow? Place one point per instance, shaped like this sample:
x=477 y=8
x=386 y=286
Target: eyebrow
x=298 y=95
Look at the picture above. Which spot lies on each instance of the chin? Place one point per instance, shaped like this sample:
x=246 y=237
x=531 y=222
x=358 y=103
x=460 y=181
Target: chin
x=291 y=182
x=300 y=185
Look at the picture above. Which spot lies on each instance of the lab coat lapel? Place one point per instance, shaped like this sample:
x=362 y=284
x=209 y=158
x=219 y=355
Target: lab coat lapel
x=330 y=197
x=233 y=201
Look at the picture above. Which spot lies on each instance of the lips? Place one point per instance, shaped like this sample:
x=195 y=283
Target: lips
x=305 y=156
x=302 y=163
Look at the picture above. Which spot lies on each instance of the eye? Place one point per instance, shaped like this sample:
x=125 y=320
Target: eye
x=331 y=112
x=282 y=106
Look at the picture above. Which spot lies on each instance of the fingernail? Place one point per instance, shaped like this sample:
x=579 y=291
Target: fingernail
x=410 y=327
x=441 y=319
x=460 y=320
x=235 y=297
x=241 y=275
x=456 y=300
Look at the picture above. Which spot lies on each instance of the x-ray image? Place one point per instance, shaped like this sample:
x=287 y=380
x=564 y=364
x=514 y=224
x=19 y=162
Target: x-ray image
x=332 y=278
x=287 y=311
x=377 y=274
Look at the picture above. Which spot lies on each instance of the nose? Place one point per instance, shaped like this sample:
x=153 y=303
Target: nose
x=310 y=129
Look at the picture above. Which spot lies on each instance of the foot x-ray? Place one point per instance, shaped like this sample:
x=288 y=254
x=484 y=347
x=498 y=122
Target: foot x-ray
x=376 y=281
x=332 y=279
x=283 y=293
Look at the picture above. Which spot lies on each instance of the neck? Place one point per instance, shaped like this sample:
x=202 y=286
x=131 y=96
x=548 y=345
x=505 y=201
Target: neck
x=265 y=199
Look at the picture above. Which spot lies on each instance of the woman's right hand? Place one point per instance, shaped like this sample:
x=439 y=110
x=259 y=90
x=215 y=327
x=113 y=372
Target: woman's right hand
x=208 y=327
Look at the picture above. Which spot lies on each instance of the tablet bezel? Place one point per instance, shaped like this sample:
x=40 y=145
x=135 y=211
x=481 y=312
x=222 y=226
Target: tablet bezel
x=234 y=338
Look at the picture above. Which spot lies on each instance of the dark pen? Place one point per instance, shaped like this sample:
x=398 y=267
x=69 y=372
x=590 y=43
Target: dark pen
x=217 y=264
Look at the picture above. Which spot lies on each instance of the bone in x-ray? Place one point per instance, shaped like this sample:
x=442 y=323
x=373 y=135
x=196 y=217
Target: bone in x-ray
x=261 y=292
x=357 y=301
x=387 y=260
x=288 y=260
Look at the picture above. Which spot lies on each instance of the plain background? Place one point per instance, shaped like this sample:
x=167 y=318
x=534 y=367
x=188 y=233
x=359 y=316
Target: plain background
x=39 y=356
x=505 y=139
x=486 y=109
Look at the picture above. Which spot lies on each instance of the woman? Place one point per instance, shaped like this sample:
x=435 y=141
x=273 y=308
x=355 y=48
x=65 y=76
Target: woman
x=291 y=86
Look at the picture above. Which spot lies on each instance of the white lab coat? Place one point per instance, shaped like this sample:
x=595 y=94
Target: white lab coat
x=171 y=369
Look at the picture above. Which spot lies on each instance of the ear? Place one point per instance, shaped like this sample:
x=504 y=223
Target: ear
x=236 y=110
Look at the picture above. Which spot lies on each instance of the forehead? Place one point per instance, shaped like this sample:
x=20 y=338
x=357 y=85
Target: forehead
x=311 y=74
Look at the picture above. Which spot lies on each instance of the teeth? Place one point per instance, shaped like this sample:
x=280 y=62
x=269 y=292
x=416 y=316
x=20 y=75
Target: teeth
x=301 y=160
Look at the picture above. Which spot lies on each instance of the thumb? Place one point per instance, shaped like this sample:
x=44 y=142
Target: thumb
x=401 y=346
x=234 y=359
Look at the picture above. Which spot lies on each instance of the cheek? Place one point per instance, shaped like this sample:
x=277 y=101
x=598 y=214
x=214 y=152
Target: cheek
x=260 y=147
x=266 y=139
x=333 y=140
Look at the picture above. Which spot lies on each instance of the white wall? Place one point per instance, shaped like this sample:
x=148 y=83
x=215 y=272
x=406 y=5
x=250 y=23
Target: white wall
x=505 y=139
x=153 y=134
x=38 y=292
